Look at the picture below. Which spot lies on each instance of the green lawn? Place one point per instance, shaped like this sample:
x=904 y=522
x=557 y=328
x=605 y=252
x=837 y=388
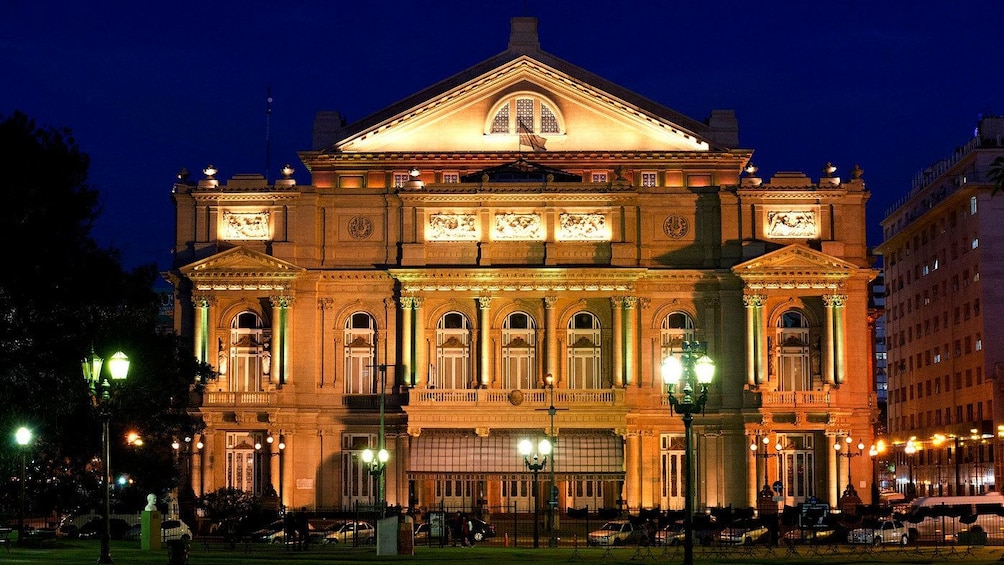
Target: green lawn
x=71 y=552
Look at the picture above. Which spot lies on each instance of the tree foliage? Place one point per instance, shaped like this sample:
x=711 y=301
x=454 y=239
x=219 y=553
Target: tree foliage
x=60 y=295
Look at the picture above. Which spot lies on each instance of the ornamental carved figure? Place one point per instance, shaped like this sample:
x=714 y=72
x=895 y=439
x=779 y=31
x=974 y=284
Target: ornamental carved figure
x=582 y=226
x=360 y=227
x=791 y=223
x=452 y=227
x=518 y=227
x=245 y=225
x=676 y=226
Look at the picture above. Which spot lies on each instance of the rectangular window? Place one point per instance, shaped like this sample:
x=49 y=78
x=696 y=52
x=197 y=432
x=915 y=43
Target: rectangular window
x=975 y=243
x=972 y=206
x=599 y=177
x=451 y=178
x=400 y=179
x=648 y=179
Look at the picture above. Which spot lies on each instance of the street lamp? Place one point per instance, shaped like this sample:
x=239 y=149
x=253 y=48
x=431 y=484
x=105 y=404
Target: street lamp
x=910 y=449
x=23 y=438
x=552 y=502
x=543 y=450
x=874 y=451
x=100 y=391
x=848 y=454
x=377 y=462
x=696 y=370
x=755 y=449
x=282 y=447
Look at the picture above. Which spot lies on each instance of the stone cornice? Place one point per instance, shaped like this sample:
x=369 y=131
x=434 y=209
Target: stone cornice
x=505 y=280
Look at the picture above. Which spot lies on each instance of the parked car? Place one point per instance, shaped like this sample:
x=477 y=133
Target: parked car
x=821 y=534
x=268 y=533
x=888 y=531
x=96 y=528
x=351 y=532
x=745 y=532
x=481 y=529
x=170 y=530
x=422 y=532
x=705 y=530
x=617 y=532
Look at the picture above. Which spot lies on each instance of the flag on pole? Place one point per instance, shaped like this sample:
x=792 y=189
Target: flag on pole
x=528 y=138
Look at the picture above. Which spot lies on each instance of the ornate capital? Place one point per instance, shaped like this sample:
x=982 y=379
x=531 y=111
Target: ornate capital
x=407 y=302
x=484 y=302
x=550 y=302
x=644 y=302
x=482 y=432
x=203 y=300
x=281 y=300
x=834 y=300
x=418 y=301
x=752 y=300
x=325 y=303
x=712 y=302
x=630 y=302
x=617 y=302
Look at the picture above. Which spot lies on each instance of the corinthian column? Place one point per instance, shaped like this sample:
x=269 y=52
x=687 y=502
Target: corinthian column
x=616 y=307
x=421 y=345
x=551 y=337
x=484 y=308
x=630 y=345
x=407 y=321
x=755 y=349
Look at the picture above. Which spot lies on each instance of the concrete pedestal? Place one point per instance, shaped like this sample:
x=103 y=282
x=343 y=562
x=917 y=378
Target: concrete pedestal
x=150 y=534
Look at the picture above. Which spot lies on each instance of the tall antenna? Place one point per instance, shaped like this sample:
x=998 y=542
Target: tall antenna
x=268 y=132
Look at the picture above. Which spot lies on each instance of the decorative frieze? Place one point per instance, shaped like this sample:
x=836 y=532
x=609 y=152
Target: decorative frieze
x=452 y=227
x=518 y=227
x=245 y=226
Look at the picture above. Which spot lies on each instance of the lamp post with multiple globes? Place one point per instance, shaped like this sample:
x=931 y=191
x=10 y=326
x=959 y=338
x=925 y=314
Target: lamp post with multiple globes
x=532 y=460
x=837 y=447
x=377 y=462
x=693 y=371
x=100 y=391
x=755 y=450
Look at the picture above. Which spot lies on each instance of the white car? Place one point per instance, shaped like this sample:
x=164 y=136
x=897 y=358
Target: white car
x=889 y=531
x=351 y=533
x=616 y=532
x=171 y=530
x=743 y=533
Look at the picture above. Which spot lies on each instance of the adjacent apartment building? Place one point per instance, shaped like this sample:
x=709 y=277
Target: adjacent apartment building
x=943 y=268
x=522 y=236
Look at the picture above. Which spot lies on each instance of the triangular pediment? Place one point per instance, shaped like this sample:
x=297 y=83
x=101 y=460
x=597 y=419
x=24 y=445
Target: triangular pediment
x=795 y=265
x=240 y=268
x=594 y=114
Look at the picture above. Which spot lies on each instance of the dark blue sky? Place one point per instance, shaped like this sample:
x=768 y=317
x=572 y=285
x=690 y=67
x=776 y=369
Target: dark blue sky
x=148 y=88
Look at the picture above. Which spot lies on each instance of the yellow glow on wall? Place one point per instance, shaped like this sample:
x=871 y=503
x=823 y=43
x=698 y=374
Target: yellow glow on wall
x=255 y=226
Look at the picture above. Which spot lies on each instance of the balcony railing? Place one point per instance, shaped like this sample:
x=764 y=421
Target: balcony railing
x=229 y=398
x=796 y=397
x=533 y=397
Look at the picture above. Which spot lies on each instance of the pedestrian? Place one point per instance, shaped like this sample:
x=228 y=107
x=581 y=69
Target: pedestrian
x=457 y=527
x=302 y=529
x=468 y=541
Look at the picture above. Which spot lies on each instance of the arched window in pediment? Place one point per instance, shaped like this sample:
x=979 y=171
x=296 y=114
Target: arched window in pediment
x=525 y=112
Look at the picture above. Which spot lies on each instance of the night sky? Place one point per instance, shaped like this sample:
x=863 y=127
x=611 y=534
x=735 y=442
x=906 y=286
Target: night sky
x=149 y=88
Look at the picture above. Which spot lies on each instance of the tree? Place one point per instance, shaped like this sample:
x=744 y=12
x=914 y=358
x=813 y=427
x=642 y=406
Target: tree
x=996 y=174
x=60 y=295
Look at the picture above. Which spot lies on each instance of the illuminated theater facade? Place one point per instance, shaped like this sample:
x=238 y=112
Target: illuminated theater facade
x=521 y=219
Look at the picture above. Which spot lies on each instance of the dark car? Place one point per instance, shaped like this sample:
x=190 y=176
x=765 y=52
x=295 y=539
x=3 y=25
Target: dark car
x=481 y=529
x=96 y=528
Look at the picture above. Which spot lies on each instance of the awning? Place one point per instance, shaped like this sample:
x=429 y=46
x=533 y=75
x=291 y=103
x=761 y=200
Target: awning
x=579 y=455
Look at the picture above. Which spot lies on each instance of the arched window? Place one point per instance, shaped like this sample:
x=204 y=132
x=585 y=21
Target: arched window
x=525 y=113
x=453 y=351
x=519 y=351
x=584 y=351
x=792 y=351
x=359 y=354
x=250 y=360
x=677 y=328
